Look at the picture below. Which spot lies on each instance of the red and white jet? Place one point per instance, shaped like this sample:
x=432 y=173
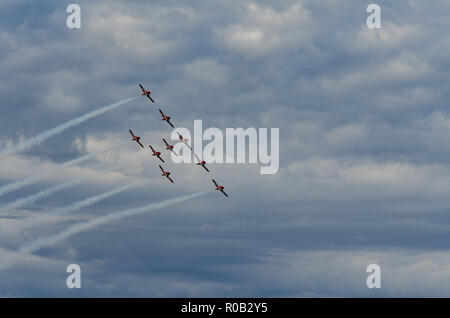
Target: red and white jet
x=166 y=118
x=146 y=93
x=169 y=147
x=182 y=139
x=156 y=153
x=219 y=187
x=136 y=138
x=165 y=173
x=201 y=163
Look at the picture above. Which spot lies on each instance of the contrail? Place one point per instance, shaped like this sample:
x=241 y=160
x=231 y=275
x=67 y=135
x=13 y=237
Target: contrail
x=58 y=129
x=73 y=206
x=89 y=225
x=21 y=183
x=49 y=191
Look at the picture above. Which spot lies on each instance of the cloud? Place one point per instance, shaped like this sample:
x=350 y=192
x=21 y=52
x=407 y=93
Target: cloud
x=127 y=29
x=364 y=124
x=265 y=30
x=390 y=37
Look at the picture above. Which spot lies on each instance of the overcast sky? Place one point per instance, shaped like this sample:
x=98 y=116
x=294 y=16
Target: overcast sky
x=364 y=146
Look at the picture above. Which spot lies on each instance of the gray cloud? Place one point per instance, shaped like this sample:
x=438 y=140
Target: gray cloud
x=363 y=121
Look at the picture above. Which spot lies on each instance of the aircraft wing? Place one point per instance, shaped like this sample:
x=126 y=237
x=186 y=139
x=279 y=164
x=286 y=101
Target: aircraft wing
x=143 y=90
x=167 y=144
x=150 y=98
x=205 y=168
x=140 y=143
x=198 y=159
x=169 y=179
x=152 y=148
x=224 y=193
x=215 y=182
x=162 y=114
x=160 y=158
x=170 y=123
x=161 y=168
x=131 y=132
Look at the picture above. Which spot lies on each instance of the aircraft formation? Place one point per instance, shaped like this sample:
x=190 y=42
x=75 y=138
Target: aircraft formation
x=170 y=147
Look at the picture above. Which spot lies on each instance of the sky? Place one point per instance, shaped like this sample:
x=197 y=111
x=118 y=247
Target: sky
x=364 y=145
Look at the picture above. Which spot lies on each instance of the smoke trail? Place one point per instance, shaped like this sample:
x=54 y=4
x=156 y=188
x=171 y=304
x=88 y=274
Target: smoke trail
x=37 y=196
x=58 y=129
x=21 y=183
x=73 y=206
x=49 y=191
x=89 y=225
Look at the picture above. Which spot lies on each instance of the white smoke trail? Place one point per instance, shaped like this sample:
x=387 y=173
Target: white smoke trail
x=49 y=191
x=73 y=207
x=24 y=182
x=37 y=196
x=89 y=225
x=58 y=129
